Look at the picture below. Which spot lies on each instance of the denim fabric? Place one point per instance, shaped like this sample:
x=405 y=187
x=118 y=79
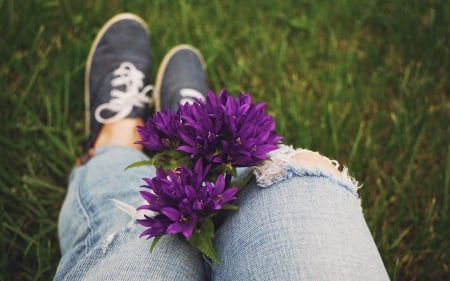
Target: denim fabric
x=298 y=224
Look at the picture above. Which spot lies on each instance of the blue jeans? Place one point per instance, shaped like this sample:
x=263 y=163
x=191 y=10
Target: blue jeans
x=299 y=221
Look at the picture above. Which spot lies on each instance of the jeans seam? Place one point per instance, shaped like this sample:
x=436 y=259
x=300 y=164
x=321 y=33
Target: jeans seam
x=83 y=208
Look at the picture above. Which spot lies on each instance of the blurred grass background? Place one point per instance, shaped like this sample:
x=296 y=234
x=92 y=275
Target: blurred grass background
x=364 y=82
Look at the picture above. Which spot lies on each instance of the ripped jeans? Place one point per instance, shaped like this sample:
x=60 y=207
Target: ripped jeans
x=301 y=220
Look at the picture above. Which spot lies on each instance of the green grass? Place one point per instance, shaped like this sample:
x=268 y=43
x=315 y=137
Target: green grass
x=364 y=82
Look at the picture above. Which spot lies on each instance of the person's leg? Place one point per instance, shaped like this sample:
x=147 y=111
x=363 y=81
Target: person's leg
x=302 y=221
x=98 y=232
x=97 y=227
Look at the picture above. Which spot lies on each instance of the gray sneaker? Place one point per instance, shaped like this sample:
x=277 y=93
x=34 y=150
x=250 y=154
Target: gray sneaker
x=117 y=72
x=181 y=78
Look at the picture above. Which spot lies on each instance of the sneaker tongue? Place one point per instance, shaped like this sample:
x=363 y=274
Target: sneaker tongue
x=189 y=95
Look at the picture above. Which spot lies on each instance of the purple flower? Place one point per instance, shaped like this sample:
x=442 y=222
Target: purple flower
x=155 y=226
x=219 y=194
x=201 y=131
x=225 y=129
x=182 y=198
x=181 y=221
x=249 y=130
x=160 y=132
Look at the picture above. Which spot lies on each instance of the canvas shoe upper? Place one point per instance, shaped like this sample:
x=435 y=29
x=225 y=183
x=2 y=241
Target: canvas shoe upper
x=181 y=78
x=117 y=74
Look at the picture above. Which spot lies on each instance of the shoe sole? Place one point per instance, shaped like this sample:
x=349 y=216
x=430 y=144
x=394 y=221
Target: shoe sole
x=162 y=70
x=105 y=27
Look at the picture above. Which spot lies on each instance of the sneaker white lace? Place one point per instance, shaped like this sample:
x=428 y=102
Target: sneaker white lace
x=188 y=95
x=122 y=102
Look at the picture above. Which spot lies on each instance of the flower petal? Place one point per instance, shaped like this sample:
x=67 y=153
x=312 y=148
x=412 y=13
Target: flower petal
x=171 y=213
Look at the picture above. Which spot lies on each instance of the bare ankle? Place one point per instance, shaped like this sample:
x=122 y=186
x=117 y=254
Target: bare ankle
x=123 y=133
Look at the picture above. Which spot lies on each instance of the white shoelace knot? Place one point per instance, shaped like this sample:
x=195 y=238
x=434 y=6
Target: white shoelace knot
x=122 y=102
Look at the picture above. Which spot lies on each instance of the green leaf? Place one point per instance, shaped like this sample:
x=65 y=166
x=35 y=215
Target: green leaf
x=139 y=164
x=243 y=182
x=171 y=159
x=231 y=170
x=202 y=240
x=230 y=207
x=155 y=241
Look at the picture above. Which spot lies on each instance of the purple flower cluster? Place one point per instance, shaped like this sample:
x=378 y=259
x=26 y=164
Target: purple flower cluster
x=181 y=198
x=196 y=150
x=222 y=129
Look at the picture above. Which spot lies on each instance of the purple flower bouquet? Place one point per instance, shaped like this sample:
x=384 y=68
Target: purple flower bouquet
x=196 y=151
